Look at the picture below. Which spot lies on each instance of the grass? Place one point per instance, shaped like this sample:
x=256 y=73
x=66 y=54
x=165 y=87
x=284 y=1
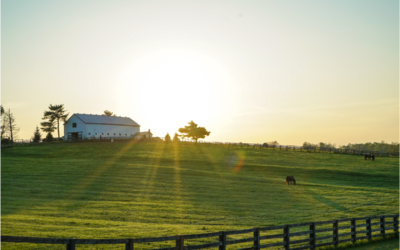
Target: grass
x=134 y=190
x=379 y=243
x=392 y=244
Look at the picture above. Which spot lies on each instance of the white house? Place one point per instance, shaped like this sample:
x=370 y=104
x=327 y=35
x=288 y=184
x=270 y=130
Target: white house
x=81 y=126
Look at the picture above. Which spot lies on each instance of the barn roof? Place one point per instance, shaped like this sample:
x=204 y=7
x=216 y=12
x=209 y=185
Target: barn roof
x=108 y=120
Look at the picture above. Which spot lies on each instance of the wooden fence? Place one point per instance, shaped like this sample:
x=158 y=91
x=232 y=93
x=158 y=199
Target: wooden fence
x=307 y=236
x=312 y=149
x=226 y=144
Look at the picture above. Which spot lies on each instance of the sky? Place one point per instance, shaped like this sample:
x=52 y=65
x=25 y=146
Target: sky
x=248 y=71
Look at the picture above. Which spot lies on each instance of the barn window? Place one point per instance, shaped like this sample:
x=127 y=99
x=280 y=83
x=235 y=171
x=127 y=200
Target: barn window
x=108 y=133
x=74 y=125
x=114 y=133
x=102 y=133
x=119 y=134
x=89 y=133
x=95 y=133
x=125 y=134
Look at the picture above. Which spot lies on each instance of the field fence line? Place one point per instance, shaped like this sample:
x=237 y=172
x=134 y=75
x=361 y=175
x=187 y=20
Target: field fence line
x=358 y=229
x=30 y=142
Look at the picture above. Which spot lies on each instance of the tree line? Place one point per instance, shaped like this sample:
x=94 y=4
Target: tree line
x=51 y=117
x=369 y=146
x=57 y=114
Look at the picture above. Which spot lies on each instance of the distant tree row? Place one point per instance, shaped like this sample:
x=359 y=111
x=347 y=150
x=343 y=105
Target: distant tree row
x=319 y=145
x=376 y=146
x=192 y=131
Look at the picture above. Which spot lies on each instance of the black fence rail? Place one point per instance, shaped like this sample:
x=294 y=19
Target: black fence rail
x=226 y=144
x=310 y=149
x=299 y=236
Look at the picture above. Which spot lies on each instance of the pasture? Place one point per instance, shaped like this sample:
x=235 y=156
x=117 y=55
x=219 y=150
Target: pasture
x=135 y=190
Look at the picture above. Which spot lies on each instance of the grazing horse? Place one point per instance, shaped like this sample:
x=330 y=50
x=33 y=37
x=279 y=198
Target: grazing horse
x=367 y=157
x=290 y=179
x=373 y=157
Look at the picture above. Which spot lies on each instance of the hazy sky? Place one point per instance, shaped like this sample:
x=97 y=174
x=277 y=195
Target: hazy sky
x=249 y=71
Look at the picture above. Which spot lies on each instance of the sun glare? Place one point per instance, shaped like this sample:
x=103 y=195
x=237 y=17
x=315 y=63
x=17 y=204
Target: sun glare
x=177 y=86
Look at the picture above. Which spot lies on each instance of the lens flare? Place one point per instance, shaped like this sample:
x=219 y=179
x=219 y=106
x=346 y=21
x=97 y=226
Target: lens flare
x=235 y=161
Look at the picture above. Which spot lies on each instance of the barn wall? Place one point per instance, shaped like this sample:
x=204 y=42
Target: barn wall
x=98 y=130
x=80 y=126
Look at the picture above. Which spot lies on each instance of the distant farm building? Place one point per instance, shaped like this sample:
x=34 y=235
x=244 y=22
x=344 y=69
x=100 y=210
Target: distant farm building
x=82 y=126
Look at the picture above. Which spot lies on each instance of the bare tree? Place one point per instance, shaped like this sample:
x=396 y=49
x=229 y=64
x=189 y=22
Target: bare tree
x=10 y=126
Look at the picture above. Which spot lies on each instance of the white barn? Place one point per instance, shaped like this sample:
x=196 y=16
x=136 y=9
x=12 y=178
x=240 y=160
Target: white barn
x=81 y=126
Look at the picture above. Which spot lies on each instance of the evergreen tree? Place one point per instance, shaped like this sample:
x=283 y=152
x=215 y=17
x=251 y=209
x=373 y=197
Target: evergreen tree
x=176 y=138
x=167 y=138
x=48 y=127
x=37 y=135
x=55 y=114
x=49 y=137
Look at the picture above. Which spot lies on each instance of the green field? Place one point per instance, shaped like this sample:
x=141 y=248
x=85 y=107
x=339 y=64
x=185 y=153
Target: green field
x=135 y=190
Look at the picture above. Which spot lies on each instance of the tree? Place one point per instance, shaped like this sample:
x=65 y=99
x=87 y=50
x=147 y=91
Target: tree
x=37 y=135
x=48 y=127
x=176 y=138
x=108 y=113
x=49 y=137
x=193 y=132
x=10 y=126
x=3 y=120
x=167 y=138
x=56 y=113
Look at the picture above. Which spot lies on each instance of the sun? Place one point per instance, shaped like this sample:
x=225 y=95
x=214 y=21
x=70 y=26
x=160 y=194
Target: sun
x=177 y=86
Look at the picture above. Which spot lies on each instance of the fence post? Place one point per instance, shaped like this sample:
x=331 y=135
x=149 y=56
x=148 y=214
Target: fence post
x=382 y=220
x=71 y=245
x=129 y=245
x=179 y=243
x=396 y=223
x=353 y=230
x=312 y=235
x=256 y=235
x=369 y=233
x=286 y=237
x=222 y=241
x=336 y=233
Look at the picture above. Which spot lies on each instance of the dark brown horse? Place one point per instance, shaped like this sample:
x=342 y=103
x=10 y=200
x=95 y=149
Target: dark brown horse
x=290 y=179
x=370 y=156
